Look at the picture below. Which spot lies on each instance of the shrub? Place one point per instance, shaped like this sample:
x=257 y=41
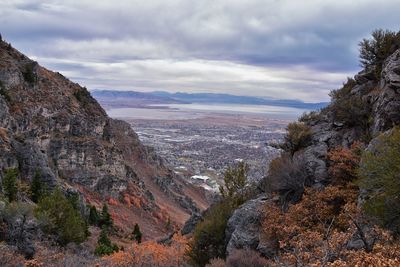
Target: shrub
x=209 y=235
x=287 y=175
x=104 y=245
x=298 y=136
x=18 y=216
x=38 y=187
x=234 y=188
x=105 y=218
x=10 y=187
x=4 y=92
x=349 y=109
x=379 y=175
x=344 y=163
x=94 y=217
x=58 y=217
x=82 y=95
x=28 y=73
x=246 y=258
x=374 y=51
x=137 y=234
x=208 y=240
x=216 y=263
x=311 y=116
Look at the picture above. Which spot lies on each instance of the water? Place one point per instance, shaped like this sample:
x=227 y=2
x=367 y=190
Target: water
x=193 y=111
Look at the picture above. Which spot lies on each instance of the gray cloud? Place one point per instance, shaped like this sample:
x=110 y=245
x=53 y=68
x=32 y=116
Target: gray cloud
x=288 y=49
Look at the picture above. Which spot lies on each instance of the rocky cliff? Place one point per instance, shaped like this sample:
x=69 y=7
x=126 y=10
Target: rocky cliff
x=53 y=125
x=365 y=107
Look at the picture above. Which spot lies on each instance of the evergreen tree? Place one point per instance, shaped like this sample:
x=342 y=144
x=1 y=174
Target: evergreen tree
x=94 y=217
x=10 y=184
x=104 y=245
x=137 y=234
x=38 y=187
x=106 y=217
x=59 y=217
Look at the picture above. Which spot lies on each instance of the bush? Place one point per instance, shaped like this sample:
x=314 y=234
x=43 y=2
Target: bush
x=137 y=234
x=18 y=218
x=38 y=187
x=311 y=116
x=59 y=217
x=94 y=217
x=10 y=184
x=4 y=92
x=287 y=175
x=349 y=109
x=209 y=235
x=246 y=258
x=104 y=245
x=298 y=136
x=379 y=175
x=208 y=240
x=374 y=51
x=83 y=95
x=105 y=218
x=29 y=75
x=344 y=163
x=234 y=188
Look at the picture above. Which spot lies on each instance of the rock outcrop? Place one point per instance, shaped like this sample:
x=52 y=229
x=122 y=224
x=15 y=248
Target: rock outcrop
x=53 y=125
x=382 y=99
x=243 y=228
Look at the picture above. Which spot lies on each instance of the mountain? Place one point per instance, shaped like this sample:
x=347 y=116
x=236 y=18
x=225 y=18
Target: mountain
x=51 y=125
x=111 y=98
x=212 y=98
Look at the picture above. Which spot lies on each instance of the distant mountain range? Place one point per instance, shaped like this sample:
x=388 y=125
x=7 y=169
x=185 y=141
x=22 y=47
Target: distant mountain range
x=113 y=98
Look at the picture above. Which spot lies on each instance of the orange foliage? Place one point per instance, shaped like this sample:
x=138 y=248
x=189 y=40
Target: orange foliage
x=343 y=162
x=315 y=232
x=151 y=254
x=132 y=200
x=112 y=202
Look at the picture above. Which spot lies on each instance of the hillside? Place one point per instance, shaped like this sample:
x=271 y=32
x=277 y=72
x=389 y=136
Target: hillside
x=54 y=127
x=331 y=198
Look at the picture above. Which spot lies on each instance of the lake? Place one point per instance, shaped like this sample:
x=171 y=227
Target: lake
x=193 y=111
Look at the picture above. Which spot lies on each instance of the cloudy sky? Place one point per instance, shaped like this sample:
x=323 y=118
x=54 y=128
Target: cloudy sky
x=294 y=49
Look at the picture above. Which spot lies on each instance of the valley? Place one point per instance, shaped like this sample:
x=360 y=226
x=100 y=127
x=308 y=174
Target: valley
x=199 y=145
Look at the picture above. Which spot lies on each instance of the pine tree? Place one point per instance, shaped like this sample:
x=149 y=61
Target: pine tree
x=104 y=245
x=106 y=217
x=137 y=234
x=10 y=184
x=60 y=218
x=38 y=188
x=94 y=217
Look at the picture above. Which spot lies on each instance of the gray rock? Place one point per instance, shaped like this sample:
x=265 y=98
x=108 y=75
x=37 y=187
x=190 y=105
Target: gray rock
x=243 y=228
x=387 y=106
x=191 y=223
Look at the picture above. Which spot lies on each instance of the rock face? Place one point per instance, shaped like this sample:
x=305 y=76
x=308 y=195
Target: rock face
x=383 y=98
x=243 y=228
x=53 y=125
x=387 y=105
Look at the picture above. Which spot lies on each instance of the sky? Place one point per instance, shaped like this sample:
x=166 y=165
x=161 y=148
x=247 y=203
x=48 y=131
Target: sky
x=297 y=49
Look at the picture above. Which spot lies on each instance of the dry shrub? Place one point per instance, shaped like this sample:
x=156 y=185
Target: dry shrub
x=287 y=175
x=216 y=263
x=316 y=231
x=9 y=257
x=344 y=163
x=298 y=136
x=246 y=258
x=151 y=254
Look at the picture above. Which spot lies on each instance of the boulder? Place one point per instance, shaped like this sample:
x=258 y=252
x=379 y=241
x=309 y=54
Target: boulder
x=243 y=228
